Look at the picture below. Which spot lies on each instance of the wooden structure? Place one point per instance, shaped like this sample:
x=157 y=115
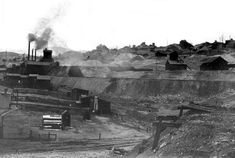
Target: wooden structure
x=77 y=93
x=104 y=107
x=43 y=82
x=230 y=43
x=56 y=122
x=14 y=124
x=35 y=67
x=24 y=81
x=66 y=119
x=101 y=106
x=160 y=53
x=161 y=124
x=52 y=122
x=12 y=79
x=5 y=98
x=28 y=81
x=32 y=79
x=195 y=107
x=174 y=56
x=214 y=63
x=174 y=65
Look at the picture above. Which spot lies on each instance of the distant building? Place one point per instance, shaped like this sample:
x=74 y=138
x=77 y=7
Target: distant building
x=160 y=53
x=174 y=56
x=12 y=79
x=217 y=45
x=42 y=67
x=145 y=50
x=47 y=56
x=214 y=63
x=174 y=62
x=203 y=51
x=77 y=93
x=43 y=82
x=174 y=65
x=230 y=43
x=101 y=106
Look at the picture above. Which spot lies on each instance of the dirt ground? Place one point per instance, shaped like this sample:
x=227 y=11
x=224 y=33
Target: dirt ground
x=81 y=140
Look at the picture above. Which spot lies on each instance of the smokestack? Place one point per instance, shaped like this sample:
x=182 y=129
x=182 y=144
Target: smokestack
x=35 y=55
x=32 y=55
x=29 y=50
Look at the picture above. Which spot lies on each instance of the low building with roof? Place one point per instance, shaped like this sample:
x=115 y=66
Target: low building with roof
x=174 y=65
x=214 y=63
x=14 y=124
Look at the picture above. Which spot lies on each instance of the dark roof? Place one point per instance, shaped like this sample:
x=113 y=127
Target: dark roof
x=212 y=59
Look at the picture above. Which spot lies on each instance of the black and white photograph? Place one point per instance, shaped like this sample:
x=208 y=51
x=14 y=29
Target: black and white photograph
x=117 y=79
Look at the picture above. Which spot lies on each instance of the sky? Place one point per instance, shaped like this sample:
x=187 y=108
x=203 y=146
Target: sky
x=84 y=24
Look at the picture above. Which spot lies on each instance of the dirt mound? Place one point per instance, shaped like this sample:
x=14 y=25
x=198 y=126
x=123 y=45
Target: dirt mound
x=137 y=58
x=100 y=71
x=201 y=135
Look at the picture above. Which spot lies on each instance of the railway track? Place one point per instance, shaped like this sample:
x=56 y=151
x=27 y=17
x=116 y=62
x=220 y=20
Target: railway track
x=81 y=145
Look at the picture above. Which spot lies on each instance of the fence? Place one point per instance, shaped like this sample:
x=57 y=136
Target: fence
x=42 y=137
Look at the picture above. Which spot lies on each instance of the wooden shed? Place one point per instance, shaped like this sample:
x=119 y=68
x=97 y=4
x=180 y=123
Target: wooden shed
x=174 y=65
x=77 y=93
x=5 y=98
x=101 y=106
x=15 y=124
x=214 y=63
x=56 y=122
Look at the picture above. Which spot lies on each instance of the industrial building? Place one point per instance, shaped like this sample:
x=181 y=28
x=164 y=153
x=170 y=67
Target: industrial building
x=41 y=67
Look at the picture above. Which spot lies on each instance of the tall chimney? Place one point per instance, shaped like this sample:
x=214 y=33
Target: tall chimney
x=29 y=50
x=35 y=55
x=32 y=55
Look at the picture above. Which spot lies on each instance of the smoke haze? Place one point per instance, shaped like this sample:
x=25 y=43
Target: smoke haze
x=43 y=33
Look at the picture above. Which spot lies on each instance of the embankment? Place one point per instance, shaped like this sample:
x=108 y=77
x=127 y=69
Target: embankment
x=198 y=84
